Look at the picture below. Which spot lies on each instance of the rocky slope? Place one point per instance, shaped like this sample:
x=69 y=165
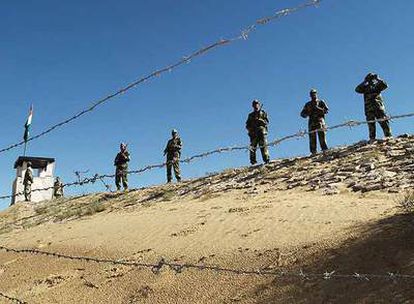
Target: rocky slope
x=386 y=165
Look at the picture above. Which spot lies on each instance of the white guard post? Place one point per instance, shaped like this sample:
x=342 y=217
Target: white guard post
x=43 y=169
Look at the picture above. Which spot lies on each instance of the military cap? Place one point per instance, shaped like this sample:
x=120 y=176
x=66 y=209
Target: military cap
x=29 y=164
x=370 y=76
x=174 y=131
x=255 y=102
x=313 y=91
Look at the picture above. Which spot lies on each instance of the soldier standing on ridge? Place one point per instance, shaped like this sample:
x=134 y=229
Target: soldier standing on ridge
x=173 y=152
x=371 y=87
x=256 y=126
x=27 y=182
x=58 y=188
x=121 y=164
x=316 y=110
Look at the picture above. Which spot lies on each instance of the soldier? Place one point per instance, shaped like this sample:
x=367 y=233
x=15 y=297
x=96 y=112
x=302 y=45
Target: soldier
x=27 y=182
x=173 y=152
x=121 y=164
x=371 y=87
x=256 y=126
x=58 y=188
x=316 y=110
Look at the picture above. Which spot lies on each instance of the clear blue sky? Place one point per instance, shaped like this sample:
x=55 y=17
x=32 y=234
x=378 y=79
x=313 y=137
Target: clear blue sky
x=62 y=55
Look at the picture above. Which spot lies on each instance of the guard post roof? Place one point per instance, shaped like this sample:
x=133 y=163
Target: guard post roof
x=37 y=162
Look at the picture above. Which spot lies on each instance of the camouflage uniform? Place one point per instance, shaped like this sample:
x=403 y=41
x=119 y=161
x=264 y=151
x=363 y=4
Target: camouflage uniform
x=173 y=152
x=121 y=173
x=58 y=188
x=374 y=104
x=256 y=126
x=316 y=111
x=27 y=182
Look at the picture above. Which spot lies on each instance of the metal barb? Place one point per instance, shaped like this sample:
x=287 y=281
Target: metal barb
x=156 y=269
x=328 y=275
x=302 y=274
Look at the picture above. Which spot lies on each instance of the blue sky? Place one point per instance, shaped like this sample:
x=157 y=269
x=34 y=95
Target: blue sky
x=63 y=55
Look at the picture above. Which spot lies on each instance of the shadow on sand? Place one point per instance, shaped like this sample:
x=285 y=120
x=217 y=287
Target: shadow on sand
x=382 y=247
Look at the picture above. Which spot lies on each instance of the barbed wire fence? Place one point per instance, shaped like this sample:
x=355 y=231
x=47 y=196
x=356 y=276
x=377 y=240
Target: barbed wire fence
x=180 y=267
x=244 y=34
x=299 y=134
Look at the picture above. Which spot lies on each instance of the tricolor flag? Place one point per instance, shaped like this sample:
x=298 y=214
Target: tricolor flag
x=28 y=124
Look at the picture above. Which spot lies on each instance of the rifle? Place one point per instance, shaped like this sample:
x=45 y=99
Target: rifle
x=261 y=120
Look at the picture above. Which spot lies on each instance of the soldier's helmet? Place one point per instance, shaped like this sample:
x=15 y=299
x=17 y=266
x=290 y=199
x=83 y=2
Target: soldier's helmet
x=122 y=146
x=313 y=91
x=255 y=102
x=29 y=164
x=174 y=132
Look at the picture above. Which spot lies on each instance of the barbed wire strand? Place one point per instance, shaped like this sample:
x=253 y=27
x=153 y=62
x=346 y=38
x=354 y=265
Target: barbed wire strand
x=179 y=268
x=300 y=134
x=186 y=59
x=12 y=299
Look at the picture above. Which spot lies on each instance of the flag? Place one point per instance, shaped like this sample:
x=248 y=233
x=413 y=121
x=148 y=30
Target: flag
x=28 y=124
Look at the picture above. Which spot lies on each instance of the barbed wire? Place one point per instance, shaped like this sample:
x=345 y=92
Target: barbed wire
x=186 y=59
x=300 y=134
x=350 y=123
x=179 y=268
x=12 y=299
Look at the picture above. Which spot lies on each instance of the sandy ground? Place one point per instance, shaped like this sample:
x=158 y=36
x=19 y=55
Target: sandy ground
x=278 y=230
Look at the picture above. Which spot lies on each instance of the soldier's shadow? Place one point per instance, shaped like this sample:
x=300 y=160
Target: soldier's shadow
x=386 y=246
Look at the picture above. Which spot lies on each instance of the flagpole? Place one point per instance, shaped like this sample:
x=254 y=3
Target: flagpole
x=27 y=129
